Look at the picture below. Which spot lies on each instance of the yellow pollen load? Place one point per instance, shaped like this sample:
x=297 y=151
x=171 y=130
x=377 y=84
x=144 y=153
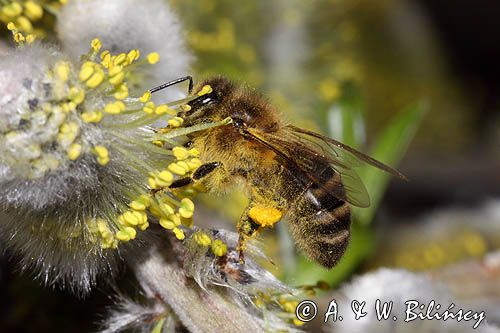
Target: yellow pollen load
x=205 y=90
x=153 y=58
x=202 y=238
x=219 y=248
x=265 y=216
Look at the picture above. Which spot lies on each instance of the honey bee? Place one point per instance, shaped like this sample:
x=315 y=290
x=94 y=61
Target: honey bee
x=288 y=172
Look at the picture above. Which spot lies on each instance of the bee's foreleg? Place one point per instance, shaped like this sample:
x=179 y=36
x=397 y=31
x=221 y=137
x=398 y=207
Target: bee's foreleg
x=200 y=172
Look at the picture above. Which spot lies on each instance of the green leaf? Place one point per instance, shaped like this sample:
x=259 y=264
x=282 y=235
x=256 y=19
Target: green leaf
x=389 y=149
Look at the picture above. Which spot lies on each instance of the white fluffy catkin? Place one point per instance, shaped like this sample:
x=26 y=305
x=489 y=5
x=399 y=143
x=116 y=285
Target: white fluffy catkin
x=150 y=26
x=53 y=207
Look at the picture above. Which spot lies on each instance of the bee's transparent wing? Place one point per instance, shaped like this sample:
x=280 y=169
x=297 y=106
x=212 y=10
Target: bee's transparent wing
x=313 y=166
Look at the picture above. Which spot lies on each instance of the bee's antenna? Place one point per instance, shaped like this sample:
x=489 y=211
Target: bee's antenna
x=174 y=82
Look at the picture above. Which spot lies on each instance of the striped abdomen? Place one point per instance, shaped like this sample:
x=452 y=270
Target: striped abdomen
x=320 y=223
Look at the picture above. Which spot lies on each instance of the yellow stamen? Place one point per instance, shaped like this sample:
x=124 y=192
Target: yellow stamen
x=219 y=248
x=153 y=58
x=74 y=151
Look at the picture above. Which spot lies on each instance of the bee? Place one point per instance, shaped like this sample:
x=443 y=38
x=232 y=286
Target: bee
x=288 y=172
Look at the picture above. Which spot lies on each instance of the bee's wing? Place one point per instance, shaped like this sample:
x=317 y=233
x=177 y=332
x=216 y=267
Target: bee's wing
x=313 y=166
x=340 y=151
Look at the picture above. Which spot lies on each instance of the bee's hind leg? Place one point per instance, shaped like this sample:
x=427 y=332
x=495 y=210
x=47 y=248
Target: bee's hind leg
x=255 y=217
x=247 y=228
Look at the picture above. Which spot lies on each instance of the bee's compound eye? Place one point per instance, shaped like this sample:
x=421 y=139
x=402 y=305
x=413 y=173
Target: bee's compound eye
x=238 y=123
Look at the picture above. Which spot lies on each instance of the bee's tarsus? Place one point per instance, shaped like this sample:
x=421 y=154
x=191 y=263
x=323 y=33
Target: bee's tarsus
x=205 y=169
x=181 y=182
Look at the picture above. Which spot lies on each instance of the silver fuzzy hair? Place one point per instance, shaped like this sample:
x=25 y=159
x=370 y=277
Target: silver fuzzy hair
x=44 y=213
x=122 y=25
x=215 y=301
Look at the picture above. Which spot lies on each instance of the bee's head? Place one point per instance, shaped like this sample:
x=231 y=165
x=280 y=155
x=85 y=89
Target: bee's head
x=207 y=107
x=227 y=99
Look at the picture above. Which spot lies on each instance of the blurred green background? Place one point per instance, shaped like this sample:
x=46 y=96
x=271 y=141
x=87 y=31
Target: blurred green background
x=415 y=83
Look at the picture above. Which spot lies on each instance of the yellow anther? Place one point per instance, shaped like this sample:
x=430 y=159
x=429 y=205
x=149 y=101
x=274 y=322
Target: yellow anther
x=133 y=217
x=24 y=24
x=206 y=89
x=165 y=209
x=175 y=168
x=194 y=152
x=202 y=238
x=193 y=163
x=219 y=248
x=30 y=38
x=86 y=71
x=176 y=122
x=167 y=224
x=33 y=10
x=11 y=26
x=158 y=143
x=143 y=226
x=92 y=116
x=116 y=75
x=133 y=55
x=96 y=44
x=187 y=208
x=149 y=108
x=104 y=54
x=96 y=79
x=179 y=234
x=152 y=183
x=114 y=108
x=123 y=236
x=137 y=205
x=74 y=151
x=19 y=37
x=186 y=107
x=120 y=59
x=264 y=215
x=164 y=178
x=68 y=107
x=164 y=109
x=76 y=95
x=184 y=165
x=145 y=97
x=153 y=58
x=62 y=70
x=131 y=232
x=180 y=153
x=102 y=155
x=106 y=59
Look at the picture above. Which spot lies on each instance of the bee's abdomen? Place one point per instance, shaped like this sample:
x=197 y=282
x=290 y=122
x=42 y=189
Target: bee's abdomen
x=320 y=223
